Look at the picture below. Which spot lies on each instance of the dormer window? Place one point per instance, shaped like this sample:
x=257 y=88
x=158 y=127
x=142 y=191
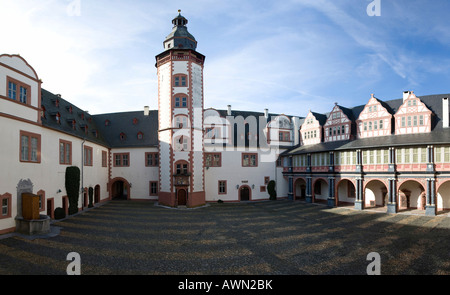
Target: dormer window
x=135 y=121
x=122 y=136
x=107 y=123
x=140 y=135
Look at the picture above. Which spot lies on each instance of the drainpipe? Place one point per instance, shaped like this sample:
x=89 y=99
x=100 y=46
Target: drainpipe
x=82 y=170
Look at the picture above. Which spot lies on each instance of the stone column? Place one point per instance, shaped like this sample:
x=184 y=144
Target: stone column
x=308 y=190
x=291 y=188
x=392 y=204
x=430 y=209
x=359 y=202
x=331 y=189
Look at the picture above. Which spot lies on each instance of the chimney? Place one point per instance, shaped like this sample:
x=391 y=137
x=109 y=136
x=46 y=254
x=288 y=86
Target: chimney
x=146 y=111
x=445 y=114
x=266 y=113
x=406 y=95
x=229 y=110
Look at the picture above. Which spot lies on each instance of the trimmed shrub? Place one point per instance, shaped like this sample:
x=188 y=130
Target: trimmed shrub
x=91 y=197
x=271 y=190
x=59 y=213
x=73 y=187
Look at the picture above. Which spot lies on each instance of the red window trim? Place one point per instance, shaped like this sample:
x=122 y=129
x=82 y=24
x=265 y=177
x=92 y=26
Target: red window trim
x=65 y=142
x=121 y=155
x=2 y=197
x=30 y=135
x=104 y=159
x=249 y=154
x=218 y=187
x=212 y=162
x=181 y=96
x=180 y=76
x=85 y=161
x=18 y=84
x=154 y=155
x=150 y=188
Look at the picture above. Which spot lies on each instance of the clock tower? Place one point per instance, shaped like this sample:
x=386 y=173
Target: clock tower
x=180 y=119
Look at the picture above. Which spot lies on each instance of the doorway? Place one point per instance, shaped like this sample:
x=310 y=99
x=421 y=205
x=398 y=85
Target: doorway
x=244 y=193
x=182 y=197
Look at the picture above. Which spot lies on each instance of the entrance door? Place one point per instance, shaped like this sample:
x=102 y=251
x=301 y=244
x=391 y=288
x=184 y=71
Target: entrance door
x=182 y=197
x=119 y=190
x=245 y=193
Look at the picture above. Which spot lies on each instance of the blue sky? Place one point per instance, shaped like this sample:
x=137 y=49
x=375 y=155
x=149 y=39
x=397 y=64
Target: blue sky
x=288 y=56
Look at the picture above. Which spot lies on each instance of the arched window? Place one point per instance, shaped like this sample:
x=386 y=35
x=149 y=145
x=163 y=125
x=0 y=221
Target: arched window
x=180 y=101
x=181 y=143
x=140 y=135
x=181 y=121
x=122 y=136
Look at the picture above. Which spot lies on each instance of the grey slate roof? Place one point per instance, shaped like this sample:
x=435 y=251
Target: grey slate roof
x=124 y=123
x=82 y=118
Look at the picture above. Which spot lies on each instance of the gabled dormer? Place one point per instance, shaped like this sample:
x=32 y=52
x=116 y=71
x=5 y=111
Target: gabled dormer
x=374 y=120
x=280 y=131
x=311 y=131
x=20 y=88
x=338 y=125
x=413 y=116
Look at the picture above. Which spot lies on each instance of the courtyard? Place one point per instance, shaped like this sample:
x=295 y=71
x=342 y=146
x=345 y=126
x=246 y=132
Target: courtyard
x=254 y=238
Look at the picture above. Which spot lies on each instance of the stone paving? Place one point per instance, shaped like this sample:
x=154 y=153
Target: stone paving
x=256 y=238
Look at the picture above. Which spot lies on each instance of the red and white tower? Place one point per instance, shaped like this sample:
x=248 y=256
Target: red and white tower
x=180 y=117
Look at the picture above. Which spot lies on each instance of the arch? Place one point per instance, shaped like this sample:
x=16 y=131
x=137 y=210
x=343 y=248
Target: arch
x=119 y=189
x=411 y=195
x=345 y=192
x=375 y=193
x=320 y=190
x=245 y=193
x=443 y=196
x=299 y=188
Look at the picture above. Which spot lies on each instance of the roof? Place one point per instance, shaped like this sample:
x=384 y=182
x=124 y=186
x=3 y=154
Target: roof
x=437 y=136
x=129 y=124
x=54 y=105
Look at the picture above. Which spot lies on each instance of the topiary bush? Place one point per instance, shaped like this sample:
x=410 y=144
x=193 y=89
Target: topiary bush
x=91 y=197
x=59 y=213
x=72 y=182
x=271 y=190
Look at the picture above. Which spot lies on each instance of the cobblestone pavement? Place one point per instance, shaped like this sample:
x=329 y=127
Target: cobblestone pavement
x=273 y=237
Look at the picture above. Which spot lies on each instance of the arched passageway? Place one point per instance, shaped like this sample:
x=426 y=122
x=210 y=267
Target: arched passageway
x=375 y=194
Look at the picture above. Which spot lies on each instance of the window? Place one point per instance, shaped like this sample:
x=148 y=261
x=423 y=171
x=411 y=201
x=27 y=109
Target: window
x=18 y=91
x=213 y=159
x=182 y=169
x=30 y=147
x=104 y=158
x=65 y=152
x=284 y=136
x=181 y=121
x=343 y=129
x=122 y=160
x=181 y=143
x=365 y=126
x=421 y=120
x=153 y=188
x=403 y=122
x=87 y=156
x=249 y=160
x=140 y=135
x=151 y=160
x=5 y=201
x=415 y=121
x=222 y=187
x=180 y=80
x=409 y=121
x=180 y=101
x=381 y=124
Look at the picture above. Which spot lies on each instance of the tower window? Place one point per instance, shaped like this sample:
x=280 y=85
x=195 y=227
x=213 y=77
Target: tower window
x=180 y=102
x=180 y=80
